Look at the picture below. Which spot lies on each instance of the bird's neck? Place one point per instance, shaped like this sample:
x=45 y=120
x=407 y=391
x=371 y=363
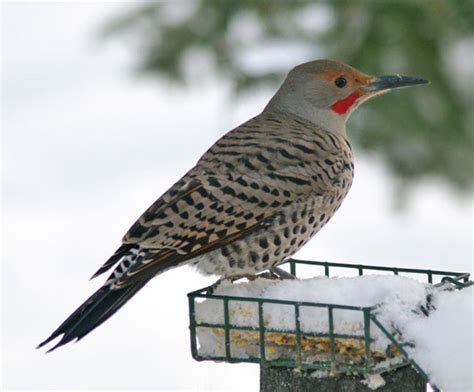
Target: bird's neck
x=323 y=118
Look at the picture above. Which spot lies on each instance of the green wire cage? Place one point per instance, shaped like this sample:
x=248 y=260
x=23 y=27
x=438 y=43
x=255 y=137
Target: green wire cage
x=333 y=346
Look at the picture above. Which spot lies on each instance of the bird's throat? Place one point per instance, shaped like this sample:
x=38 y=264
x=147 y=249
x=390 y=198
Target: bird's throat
x=344 y=104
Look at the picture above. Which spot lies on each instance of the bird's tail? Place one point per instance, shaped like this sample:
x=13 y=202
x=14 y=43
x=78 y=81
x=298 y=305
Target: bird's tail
x=93 y=312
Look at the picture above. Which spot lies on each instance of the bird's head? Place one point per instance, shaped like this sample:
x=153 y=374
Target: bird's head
x=326 y=92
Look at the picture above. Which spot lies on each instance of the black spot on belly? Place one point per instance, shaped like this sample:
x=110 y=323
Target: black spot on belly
x=253 y=257
x=263 y=243
x=304 y=212
x=294 y=217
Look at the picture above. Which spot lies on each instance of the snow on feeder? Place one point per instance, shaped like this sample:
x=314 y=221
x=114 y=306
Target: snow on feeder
x=346 y=325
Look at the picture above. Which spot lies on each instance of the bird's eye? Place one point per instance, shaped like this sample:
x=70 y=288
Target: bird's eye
x=340 y=81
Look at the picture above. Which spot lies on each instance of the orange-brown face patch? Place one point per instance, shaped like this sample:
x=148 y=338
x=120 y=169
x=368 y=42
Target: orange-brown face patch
x=354 y=77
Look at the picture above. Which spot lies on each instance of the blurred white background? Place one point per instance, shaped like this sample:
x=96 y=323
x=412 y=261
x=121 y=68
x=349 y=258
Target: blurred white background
x=87 y=147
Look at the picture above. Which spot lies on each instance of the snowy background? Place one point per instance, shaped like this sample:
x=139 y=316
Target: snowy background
x=86 y=148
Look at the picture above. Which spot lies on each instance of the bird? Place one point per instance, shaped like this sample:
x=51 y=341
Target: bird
x=259 y=194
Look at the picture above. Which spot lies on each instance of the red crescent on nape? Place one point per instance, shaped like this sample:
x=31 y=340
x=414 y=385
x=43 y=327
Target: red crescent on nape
x=343 y=105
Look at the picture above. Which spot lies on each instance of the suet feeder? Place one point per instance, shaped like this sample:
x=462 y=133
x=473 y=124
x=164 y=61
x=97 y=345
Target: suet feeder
x=326 y=351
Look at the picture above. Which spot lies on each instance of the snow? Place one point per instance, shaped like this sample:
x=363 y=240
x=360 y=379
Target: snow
x=374 y=381
x=442 y=341
x=400 y=296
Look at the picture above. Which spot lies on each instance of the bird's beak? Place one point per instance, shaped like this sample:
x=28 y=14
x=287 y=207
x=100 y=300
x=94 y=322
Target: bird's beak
x=382 y=83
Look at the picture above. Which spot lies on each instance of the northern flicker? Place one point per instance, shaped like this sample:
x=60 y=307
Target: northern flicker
x=253 y=199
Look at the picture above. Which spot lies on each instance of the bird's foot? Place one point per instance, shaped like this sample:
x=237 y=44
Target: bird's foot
x=268 y=275
x=275 y=273
x=249 y=277
x=281 y=273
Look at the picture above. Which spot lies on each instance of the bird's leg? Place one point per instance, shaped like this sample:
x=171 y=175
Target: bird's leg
x=272 y=273
x=268 y=275
x=249 y=277
x=276 y=273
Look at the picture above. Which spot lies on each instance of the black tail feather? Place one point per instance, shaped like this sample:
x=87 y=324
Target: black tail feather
x=93 y=312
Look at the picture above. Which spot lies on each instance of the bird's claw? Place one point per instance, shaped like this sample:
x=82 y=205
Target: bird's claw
x=281 y=273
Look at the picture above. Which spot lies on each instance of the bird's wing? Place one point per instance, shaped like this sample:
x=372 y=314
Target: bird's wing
x=199 y=214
